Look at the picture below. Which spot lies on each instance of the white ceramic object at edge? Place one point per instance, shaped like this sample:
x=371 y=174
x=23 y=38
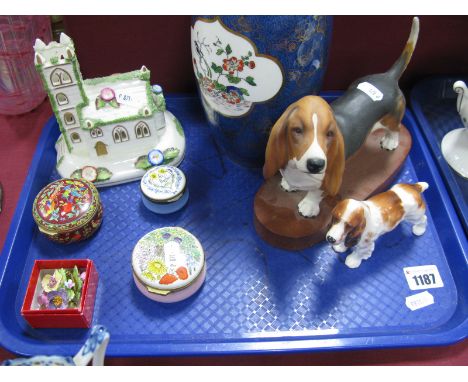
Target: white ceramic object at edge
x=455 y=143
x=94 y=349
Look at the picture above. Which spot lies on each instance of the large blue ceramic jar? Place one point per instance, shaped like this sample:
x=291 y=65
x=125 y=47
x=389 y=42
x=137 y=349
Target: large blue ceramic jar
x=250 y=68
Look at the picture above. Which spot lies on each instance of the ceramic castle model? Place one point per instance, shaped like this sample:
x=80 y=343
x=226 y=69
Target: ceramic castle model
x=108 y=125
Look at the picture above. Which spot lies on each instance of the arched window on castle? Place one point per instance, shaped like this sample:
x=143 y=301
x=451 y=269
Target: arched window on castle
x=60 y=77
x=75 y=137
x=142 y=130
x=96 y=132
x=62 y=99
x=69 y=118
x=120 y=134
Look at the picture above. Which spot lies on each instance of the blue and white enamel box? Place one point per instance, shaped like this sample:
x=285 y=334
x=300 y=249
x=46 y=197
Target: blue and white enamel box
x=164 y=189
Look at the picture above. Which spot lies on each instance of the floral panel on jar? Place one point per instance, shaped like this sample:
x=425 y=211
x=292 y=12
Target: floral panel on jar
x=232 y=75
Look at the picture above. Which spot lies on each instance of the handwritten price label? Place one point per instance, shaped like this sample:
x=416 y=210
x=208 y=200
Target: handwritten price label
x=374 y=93
x=125 y=99
x=420 y=300
x=423 y=277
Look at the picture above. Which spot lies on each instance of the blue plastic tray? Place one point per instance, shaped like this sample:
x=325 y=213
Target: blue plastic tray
x=256 y=298
x=434 y=104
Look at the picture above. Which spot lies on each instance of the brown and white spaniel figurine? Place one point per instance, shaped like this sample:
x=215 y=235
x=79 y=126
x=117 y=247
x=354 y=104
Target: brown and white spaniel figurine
x=359 y=223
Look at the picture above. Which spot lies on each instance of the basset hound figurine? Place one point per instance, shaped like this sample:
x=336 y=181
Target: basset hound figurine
x=312 y=139
x=359 y=223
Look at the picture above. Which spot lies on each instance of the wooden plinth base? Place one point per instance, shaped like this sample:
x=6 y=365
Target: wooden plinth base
x=369 y=171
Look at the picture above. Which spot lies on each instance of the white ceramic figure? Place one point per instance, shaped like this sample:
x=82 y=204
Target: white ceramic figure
x=94 y=349
x=108 y=125
x=359 y=224
x=455 y=143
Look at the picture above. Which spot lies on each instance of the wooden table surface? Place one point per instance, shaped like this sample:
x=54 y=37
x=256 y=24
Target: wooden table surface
x=18 y=139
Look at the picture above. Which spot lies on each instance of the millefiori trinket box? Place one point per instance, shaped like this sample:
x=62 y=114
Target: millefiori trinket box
x=61 y=294
x=68 y=210
x=168 y=264
x=108 y=125
x=164 y=189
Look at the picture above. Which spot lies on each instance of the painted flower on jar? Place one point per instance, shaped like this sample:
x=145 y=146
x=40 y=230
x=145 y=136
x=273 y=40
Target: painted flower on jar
x=232 y=64
x=207 y=84
x=232 y=95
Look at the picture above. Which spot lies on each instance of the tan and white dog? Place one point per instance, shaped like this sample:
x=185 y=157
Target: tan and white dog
x=307 y=147
x=359 y=223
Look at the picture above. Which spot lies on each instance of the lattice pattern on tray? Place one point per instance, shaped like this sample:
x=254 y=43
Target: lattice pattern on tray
x=251 y=289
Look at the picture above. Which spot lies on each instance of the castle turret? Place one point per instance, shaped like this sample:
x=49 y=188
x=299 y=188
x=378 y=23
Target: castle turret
x=59 y=69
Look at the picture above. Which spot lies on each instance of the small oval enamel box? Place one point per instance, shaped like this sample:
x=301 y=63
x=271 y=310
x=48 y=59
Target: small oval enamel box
x=168 y=264
x=164 y=189
x=68 y=210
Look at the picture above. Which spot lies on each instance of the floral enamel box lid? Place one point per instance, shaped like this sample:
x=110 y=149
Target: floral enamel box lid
x=163 y=184
x=168 y=259
x=65 y=205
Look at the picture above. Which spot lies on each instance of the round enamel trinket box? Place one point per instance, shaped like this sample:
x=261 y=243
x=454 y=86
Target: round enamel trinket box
x=168 y=264
x=164 y=189
x=68 y=210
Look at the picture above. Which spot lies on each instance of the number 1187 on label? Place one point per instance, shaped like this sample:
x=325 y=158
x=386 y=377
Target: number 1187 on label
x=426 y=279
x=423 y=277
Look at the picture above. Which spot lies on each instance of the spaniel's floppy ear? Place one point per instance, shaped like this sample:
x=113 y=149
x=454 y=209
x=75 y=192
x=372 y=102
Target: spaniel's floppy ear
x=276 y=154
x=358 y=224
x=335 y=165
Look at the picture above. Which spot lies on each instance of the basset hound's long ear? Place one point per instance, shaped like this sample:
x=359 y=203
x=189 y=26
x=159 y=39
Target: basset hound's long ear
x=358 y=224
x=335 y=165
x=276 y=154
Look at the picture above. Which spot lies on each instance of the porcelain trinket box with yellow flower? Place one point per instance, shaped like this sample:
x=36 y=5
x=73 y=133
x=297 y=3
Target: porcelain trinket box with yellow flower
x=168 y=264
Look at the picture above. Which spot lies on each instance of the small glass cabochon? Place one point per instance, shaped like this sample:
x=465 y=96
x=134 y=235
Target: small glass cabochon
x=163 y=183
x=168 y=258
x=155 y=157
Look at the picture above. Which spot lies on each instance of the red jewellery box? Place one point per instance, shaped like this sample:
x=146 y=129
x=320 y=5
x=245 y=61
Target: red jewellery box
x=79 y=317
